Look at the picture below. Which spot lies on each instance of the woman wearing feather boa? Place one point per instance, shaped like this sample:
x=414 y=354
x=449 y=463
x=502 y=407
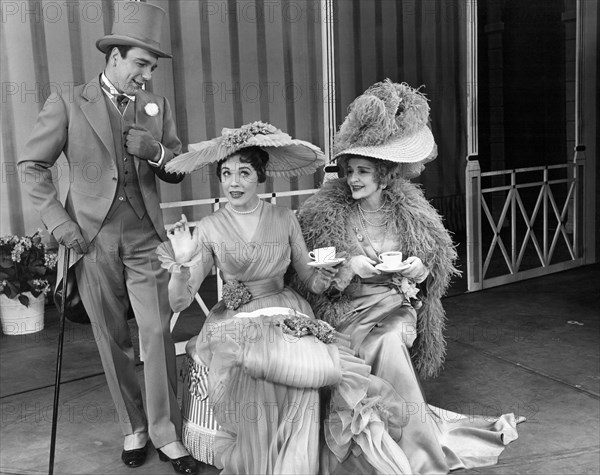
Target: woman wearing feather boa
x=393 y=315
x=262 y=357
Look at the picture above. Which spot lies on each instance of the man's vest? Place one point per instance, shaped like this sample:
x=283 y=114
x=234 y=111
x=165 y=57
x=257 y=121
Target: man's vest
x=128 y=187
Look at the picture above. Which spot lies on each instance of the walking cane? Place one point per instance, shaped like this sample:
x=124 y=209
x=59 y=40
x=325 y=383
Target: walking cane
x=59 y=361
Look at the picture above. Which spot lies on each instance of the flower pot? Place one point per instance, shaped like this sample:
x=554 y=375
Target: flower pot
x=17 y=319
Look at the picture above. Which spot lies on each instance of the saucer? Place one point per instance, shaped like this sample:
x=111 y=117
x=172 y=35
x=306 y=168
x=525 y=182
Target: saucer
x=327 y=263
x=392 y=270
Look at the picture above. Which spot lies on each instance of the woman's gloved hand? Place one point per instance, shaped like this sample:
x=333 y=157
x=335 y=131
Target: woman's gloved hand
x=363 y=266
x=184 y=243
x=323 y=277
x=416 y=269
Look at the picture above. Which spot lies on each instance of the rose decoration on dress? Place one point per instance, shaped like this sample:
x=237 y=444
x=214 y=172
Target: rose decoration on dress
x=151 y=109
x=302 y=326
x=235 y=294
x=409 y=289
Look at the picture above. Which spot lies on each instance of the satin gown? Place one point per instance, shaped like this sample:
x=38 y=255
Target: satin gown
x=265 y=385
x=251 y=442
x=382 y=327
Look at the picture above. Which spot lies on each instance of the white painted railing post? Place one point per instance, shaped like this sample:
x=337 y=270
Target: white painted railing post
x=472 y=170
x=328 y=75
x=473 y=196
x=580 y=224
x=586 y=128
x=546 y=229
x=513 y=222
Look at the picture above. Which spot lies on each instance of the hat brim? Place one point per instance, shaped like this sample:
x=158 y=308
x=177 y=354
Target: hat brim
x=414 y=148
x=108 y=41
x=287 y=157
x=297 y=159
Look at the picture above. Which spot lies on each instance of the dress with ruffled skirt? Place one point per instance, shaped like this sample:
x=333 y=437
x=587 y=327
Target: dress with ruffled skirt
x=382 y=326
x=264 y=385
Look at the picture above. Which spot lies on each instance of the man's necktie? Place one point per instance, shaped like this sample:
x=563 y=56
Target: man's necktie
x=122 y=101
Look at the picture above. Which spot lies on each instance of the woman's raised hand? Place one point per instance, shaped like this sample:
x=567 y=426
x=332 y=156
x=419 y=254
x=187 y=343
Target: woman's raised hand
x=184 y=243
x=416 y=269
x=364 y=266
x=322 y=278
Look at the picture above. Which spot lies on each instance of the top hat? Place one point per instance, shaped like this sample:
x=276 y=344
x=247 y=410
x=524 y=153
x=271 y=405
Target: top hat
x=136 y=24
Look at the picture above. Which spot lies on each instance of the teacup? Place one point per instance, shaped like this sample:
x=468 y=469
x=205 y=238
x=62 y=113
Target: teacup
x=391 y=259
x=322 y=254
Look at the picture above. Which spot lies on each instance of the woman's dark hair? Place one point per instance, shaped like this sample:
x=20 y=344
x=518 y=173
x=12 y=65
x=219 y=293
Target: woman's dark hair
x=123 y=50
x=256 y=157
x=385 y=171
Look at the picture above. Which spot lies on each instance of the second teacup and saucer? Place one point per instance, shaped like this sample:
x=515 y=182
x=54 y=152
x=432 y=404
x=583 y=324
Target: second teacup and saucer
x=324 y=257
x=391 y=262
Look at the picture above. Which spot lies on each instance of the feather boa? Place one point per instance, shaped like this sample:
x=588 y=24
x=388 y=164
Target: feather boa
x=419 y=228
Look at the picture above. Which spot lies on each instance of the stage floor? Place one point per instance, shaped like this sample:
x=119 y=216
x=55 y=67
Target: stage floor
x=530 y=348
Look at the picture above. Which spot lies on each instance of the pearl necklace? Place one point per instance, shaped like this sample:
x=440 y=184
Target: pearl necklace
x=245 y=212
x=375 y=210
x=364 y=218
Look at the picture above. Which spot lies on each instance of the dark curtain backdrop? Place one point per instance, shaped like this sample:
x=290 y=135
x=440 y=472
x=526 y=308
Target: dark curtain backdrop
x=236 y=62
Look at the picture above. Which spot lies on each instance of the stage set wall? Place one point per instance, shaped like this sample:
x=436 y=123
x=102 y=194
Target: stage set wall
x=239 y=61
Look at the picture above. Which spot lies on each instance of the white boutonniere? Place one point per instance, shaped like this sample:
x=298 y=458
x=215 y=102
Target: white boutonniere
x=151 y=109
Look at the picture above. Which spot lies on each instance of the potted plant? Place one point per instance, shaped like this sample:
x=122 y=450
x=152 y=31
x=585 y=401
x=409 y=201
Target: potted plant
x=26 y=276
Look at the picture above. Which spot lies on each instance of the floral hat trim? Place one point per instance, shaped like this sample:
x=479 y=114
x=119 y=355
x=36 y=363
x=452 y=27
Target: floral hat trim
x=288 y=157
x=236 y=137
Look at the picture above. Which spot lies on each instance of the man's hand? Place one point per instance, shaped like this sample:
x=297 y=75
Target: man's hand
x=69 y=235
x=140 y=143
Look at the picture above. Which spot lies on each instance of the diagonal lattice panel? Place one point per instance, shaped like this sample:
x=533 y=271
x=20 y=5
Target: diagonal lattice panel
x=560 y=227
x=530 y=234
x=497 y=239
x=523 y=222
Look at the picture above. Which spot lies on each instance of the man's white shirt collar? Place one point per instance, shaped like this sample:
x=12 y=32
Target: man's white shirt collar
x=112 y=90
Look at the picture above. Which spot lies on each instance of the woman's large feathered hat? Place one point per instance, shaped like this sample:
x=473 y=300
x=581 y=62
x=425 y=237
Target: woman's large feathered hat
x=389 y=121
x=288 y=157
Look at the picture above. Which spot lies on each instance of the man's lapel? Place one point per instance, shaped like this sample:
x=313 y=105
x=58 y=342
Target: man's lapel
x=94 y=109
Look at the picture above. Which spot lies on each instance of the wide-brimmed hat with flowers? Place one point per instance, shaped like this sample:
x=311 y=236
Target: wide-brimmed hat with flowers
x=389 y=121
x=288 y=157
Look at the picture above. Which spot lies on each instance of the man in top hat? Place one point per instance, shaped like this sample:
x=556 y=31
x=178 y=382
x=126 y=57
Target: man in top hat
x=117 y=138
